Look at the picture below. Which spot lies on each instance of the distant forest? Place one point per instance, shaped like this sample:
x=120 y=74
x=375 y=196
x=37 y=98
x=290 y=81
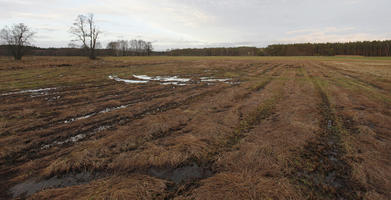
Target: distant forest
x=36 y=51
x=367 y=48
x=234 y=51
x=374 y=48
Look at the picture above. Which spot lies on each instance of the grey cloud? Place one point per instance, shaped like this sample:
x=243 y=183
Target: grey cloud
x=198 y=23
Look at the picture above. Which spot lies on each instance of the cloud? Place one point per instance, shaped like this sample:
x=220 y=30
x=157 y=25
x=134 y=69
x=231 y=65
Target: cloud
x=330 y=34
x=324 y=30
x=207 y=22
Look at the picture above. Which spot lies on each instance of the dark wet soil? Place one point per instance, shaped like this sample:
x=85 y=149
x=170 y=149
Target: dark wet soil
x=34 y=185
x=321 y=167
x=181 y=174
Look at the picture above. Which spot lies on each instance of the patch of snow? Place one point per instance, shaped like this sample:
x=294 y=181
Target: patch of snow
x=173 y=83
x=112 y=109
x=143 y=77
x=93 y=114
x=79 y=118
x=42 y=91
x=126 y=80
x=209 y=79
x=75 y=138
x=162 y=78
x=172 y=79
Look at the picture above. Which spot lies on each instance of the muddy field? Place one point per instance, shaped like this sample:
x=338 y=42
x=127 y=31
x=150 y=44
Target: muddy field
x=195 y=128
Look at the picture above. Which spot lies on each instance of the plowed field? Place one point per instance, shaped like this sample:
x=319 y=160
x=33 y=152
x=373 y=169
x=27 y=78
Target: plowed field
x=195 y=128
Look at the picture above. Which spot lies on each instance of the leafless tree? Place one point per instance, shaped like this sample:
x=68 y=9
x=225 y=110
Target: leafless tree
x=123 y=46
x=85 y=31
x=17 y=38
x=114 y=47
x=148 y=48
x=132 y=47
x=73 y=45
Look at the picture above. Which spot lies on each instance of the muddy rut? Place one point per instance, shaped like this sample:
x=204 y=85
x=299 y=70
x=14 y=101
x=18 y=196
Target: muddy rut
x=280 y=129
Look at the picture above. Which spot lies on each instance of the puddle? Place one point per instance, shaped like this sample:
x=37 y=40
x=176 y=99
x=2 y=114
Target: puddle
x=53 y=98
x=126 y=80
x=34 y=185
x=181 y=174
x=173 y=83
x=93 y=114
x=174 y=80
x=79 y=118
x=162 y=78
x=114 y=108
x=143 y=77
x=165 y=80
x=209 y=79
x=75 y=138
x=42 y=91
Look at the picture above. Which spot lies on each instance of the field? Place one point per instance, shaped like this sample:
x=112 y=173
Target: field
x=195 y=128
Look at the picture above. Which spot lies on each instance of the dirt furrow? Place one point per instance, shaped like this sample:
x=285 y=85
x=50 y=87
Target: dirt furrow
x=355 y=77
x=366 y=137
x=167 y=107
x=141 y=97
x=32 y=150
x=248 y=121
x=321 y=168
x=170 y=133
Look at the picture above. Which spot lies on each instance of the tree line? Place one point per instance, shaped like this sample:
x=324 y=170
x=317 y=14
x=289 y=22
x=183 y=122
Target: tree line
x=232 y=51
x=366 y=48
x=86 y=34
x=130 y=48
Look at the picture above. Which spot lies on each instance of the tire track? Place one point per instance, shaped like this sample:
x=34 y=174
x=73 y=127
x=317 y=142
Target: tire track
x=262 y=111
x=159 y=109
x=34 y=151
x=321 y=168
x=131 y=101
x=356 y=78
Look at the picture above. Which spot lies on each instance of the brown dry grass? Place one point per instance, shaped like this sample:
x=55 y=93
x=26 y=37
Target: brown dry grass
x=132 y=186
x=249 y=135
x=366 y=134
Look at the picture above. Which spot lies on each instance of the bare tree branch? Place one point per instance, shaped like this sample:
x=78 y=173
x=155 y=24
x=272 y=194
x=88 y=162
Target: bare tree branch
x=85 y=31
x=17 y=38
x=132 y=47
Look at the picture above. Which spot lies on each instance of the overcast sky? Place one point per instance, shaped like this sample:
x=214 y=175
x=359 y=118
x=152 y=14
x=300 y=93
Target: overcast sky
x=206 y=23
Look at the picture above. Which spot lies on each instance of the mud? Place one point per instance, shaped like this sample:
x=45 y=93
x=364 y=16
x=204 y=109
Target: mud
x=93 y=114
x=248 y=128
x=76 y=138
x=34 y=185
x=323 y=169
x=182 y=174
